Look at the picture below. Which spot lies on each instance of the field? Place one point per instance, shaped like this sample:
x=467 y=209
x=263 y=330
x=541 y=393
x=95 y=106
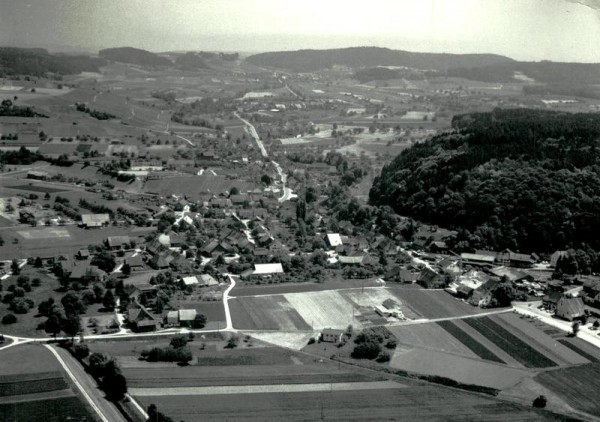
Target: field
x=473 y=345
x=434 y=303
x=415 y=403
x=578 y=386
x=429 y=336
x=33 y=388
x=266 y=313
x=192 y=186
x=511 y=344
x=37 y=188
x=214 y=311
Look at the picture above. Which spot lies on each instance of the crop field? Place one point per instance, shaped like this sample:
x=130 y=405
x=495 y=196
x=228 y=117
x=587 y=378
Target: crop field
x=27 y=361
x=241 y=289
x=511 y=344
x=52 y=381
x=578 y=385
x=429 y=336
x=459 y=368
x=473 y=345
x=434 y=303
x=415 y=403
x=37 y=188
x=292 y=340
x=44 y=233
x=266 y=313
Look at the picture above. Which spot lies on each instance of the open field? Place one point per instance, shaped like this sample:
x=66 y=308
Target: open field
x=578 y=385
x=462 y=369
x=511 y=344
x=266 y=313
x=214 y=311
x=434 y=303
x=473 y=345
x=37 y=188
x=242 y=289
x=194 y=185
x=53 y=381
x=292 y=340
x=416 y=403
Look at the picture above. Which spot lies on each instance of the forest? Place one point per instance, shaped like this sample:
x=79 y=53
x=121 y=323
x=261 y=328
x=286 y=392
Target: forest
x=523 y=179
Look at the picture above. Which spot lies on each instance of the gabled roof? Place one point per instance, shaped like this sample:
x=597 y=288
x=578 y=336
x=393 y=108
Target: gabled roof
x=187 y=314
x=263 y=269
x=117 y=240
x=94 y=219
x=571 y=306
x=334 y=239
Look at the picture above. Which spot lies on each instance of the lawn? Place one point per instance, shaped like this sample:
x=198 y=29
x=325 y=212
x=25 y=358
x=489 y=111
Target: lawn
x=578 y=385
x=511 y=344
x=473 y=345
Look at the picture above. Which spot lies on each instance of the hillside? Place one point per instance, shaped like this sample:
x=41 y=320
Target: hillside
x=134 y=56
x=523 y=179
x=38 y=62
x=357 y=57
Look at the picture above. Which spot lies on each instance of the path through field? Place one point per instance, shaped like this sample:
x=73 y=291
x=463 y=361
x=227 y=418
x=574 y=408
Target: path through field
x=254 y=389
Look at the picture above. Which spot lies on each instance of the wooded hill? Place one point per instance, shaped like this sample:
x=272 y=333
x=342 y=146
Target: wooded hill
x=358 y=57
x=38 y=62
x=523 y=179
x=134 y=56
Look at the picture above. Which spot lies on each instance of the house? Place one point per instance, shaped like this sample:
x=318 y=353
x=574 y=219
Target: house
x=141 y=320
x=142 y=292
x=511 y=274
x=331 y=335
x=135 y=262
x=37 y=175
x=84 y=272
x=207 y=280
x=115 y=243
x=83 y=254
x=513 y=259
x=430 y=279
x=334 y=240
x=477 y=260
x=268 y=269
x=556 y=256
x=550 y=301
x=570 y=308
x=189 y=281
x=94 y=220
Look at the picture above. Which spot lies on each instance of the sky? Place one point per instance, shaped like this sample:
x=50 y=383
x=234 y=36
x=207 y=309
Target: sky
x=557 y=30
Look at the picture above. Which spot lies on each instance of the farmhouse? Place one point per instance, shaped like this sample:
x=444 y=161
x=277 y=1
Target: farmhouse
x=141 y=320
x=182 y=318
x=83 y=254
x=334 y=240
x=263 y=270
x=478 y=260
x=135 y=262
x=570 y=308
x=551 y=300
x=87 y=273
x=331 y=335
x=38 y=175
x=94 y=220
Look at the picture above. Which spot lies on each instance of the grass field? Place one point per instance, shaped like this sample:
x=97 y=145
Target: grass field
x=459 y=368
x=192 y=186
x=511 y=344
x=50 y=410
x=579 y=386
x=37 y=188
x=416 y=403
x=429 y=336
x=473 y=345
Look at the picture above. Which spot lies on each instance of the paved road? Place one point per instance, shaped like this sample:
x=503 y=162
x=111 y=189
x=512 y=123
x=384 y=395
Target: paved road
x=229 y=325
x=106 y=411
x=254 y=134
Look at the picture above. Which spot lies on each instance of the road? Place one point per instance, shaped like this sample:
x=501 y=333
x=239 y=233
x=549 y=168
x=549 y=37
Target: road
x=254 y=134
x=229 y=323
x=429 y=320
x=106 y=411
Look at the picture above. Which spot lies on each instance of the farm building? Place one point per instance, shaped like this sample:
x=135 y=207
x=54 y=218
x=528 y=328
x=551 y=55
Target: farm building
x=94 y=220
x=203 y=280
x=87 y=273
x=264 y=270
x=141 y=320
x=551 y=300
x=181 y=318
x=37 y=175
x=135 y=262
x=83 y=254
x=118 y=242
x=477 y=260
x=511 y=274
x=331 y=335
x=570 y=308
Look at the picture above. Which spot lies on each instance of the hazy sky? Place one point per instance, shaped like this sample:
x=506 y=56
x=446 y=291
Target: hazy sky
x=560 y=30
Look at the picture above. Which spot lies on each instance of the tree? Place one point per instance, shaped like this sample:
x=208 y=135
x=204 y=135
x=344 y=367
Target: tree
x=596 y=324
x=52 y=325
x=71 y=325
x=14 y=267
x=126 y=269
x=81 y=351
x=9 y=319
x=178 y=342
x=47 y=196
x=266 y=179
x=366 y=350
x=575 y=328
x=38 y=263
x=540 y=401
x=155 y=416
x=108 y=300
x=232 y=342
x=73 y=304
x=234 y=191
x=301 y=210
x=115 y=386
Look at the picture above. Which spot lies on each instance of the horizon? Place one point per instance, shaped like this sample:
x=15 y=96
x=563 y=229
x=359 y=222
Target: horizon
x=524 y=30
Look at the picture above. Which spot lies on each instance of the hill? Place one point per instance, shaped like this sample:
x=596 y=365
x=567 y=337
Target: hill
x=134 y=56
x=38 y=62
x=523 y=179
x=357 y=57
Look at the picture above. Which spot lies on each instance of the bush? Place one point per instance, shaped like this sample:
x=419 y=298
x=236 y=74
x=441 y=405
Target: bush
x=81 y=351
x=9 y=319
x=366 y=350
x=391 y=344
x=311 y=340
x=383 y=357
x=232 y=342
x=178 y=342
x=540 y=402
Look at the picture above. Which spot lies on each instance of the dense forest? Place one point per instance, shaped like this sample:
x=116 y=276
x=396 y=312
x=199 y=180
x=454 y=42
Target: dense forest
x=134 y=56
x=523 y=179
x=38 y=62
